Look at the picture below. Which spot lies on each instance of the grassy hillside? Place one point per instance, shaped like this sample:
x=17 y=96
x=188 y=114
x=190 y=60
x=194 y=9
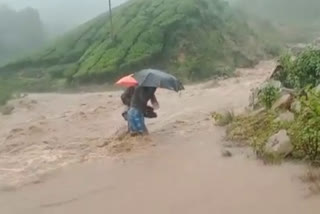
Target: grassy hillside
x=194 y=39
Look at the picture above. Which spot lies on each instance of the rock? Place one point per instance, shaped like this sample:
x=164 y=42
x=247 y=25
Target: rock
x=7 y=109
x=284 y=102
x=286 y=117
x=226 y=153
x=279 y=144
x=276 y=72
x=296 y=106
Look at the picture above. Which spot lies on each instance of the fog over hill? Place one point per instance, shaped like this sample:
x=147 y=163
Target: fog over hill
x=60 y=16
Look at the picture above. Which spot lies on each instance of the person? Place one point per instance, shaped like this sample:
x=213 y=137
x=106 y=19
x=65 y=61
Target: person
x=126 y=97
x=126 y=100
x=138 y=106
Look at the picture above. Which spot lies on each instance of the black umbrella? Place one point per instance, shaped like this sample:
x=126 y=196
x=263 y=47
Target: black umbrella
x=158 y=79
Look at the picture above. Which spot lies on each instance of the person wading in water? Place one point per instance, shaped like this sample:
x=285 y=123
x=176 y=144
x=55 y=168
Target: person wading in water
x=138 y=109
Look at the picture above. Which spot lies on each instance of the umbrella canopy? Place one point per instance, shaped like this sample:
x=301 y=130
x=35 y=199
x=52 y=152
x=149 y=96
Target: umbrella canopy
x=159 y=79
x=127 y=81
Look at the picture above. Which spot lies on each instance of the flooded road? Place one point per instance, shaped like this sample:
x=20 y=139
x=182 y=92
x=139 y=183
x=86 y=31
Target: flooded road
x=180 y=170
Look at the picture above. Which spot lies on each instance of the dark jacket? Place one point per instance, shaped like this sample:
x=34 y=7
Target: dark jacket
x=141 y=97
x=139 y=100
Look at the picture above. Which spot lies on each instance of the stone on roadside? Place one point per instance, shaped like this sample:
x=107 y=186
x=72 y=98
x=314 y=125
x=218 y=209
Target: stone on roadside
x=284 y=102
x=296 y=106
x=286 y=117
x=279 y=144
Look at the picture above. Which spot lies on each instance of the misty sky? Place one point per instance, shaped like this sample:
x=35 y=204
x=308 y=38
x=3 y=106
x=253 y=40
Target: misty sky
x=62 y=15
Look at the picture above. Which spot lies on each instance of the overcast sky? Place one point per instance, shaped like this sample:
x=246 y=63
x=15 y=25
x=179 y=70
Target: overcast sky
x=62 y=15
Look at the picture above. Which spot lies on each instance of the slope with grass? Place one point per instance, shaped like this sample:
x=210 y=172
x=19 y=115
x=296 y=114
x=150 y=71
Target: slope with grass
x=193 y=39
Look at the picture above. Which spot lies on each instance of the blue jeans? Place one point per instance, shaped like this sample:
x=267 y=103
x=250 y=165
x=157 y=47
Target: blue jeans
x=136 y=122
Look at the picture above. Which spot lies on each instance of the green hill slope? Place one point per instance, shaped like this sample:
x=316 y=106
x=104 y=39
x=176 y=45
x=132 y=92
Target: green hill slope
x=194 y=39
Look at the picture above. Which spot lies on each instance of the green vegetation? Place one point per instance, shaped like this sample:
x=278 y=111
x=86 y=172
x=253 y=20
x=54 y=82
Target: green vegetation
x=194 y=39
x=254 y=129
x=302 y=74
x=305 y=131
x=268 y=95
x=223 y=119
x=302 y=71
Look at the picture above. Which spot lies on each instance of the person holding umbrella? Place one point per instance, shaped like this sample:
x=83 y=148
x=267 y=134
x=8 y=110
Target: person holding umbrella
x=145 y=84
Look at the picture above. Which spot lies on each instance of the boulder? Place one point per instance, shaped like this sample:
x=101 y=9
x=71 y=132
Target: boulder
x=284 y=102
x=279 y=144
x=296 y=106
x=286 y=117
x=276 y=72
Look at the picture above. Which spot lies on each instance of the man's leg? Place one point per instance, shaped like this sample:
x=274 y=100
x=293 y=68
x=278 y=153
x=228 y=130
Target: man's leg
x=140 y=123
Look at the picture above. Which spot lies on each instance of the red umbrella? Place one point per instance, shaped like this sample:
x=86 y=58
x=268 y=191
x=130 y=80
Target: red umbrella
x=127 y=81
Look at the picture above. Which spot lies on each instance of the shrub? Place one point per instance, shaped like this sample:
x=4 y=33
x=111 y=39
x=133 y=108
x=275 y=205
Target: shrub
x=305 y=132
x=224 y=118
x=268 y=95
x=302 y=71
x=307 y=68
x=254 y=129
x=284 y=76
